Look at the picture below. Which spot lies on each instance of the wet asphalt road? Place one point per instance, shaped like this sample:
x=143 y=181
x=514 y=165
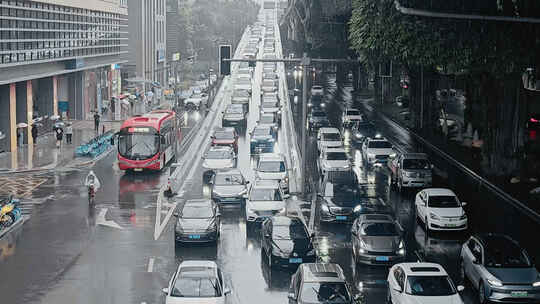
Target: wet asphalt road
x=69 y=253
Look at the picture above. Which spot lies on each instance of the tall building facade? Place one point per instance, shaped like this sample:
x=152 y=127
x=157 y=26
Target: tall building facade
x=147 y=43
x=57 y=58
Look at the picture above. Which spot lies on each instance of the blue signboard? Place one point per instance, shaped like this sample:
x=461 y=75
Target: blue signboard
x=63 y=106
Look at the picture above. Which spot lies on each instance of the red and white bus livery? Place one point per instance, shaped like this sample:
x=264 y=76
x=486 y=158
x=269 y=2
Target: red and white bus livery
x=149 y=141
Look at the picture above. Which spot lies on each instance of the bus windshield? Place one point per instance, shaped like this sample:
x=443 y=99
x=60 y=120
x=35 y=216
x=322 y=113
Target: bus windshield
x=138 y=145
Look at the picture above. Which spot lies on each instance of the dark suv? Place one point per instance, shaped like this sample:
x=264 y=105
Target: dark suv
x=286 y=242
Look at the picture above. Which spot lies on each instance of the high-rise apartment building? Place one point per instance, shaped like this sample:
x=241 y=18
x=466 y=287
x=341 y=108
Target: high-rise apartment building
x=58 y=57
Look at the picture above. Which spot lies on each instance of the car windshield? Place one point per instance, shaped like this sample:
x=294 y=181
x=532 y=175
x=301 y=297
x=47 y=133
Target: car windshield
x=197 y=282
x=268 y=83
x=261 y=132
x=346 y=195
x=379 y=229
x=225 y=180
x=416 y=164
x=219 y=154
x=379 y=144
x=265 y=195
x=430 y=286
x=508 y=256
x=267 y=119
x=234 y=110
x=197 y=211
x=224 y=135
x=353 y=113
x=243 y=81
x=317 y=88
x=240 y=93
x=336 y=156
x=271 y=166
x=331 y=137
x=269 y=104
x=318 y=114
x=443 y=201
x=292 y=232
x=324 y=292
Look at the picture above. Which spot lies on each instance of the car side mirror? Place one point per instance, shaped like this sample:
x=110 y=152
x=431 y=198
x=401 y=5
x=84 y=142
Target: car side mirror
x=460 y=288
x=475 y=261
x=227 y=291
x=291 y=296
x=312 y=235
x=176 y=214
x=218 y=214
x=463 y=204
x=267 y=235
x=165 y=290
x=353 y=232
x=286 y=196
x=319 y=194
x=247 y=182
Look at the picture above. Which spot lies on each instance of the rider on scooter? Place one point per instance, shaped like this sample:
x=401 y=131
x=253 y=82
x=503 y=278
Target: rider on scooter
x=92 y=182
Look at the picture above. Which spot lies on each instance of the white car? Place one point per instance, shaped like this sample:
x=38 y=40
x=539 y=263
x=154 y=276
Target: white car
x=412 y=283
x=265 y=199
x=317 y=90
x=196 y=282
x=334 y=160
x=272 y=166
x=351 y=116
x=194 y=101
x=243 y=83
x=328 y=137
x=440 y=209
x=377 y=151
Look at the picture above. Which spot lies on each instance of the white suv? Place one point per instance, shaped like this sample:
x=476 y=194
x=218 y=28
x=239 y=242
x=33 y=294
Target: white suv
x=377 y=151
x=440 y=209
x=334 y=160
x=328 y=138
x=273 y=166
x=265 y=199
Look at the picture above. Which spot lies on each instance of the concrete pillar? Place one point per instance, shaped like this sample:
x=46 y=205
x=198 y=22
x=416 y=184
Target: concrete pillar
x=55 y=95
x=29 y=111
x=13 y=123
x=22 y=116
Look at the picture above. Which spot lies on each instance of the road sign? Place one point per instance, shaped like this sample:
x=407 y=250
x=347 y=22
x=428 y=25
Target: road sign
x=176 y=57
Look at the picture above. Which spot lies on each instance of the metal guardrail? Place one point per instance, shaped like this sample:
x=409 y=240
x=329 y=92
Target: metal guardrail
x=292 y=142
x=496 y=190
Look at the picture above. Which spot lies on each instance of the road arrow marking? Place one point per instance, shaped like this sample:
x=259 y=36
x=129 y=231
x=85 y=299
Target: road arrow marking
x=102 y=221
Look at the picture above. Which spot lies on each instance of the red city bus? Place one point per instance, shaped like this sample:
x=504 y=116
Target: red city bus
x=149 y=141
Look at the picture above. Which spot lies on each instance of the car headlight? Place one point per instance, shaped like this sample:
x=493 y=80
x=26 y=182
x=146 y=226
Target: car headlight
x=282 y=210
x=463 y=217
x=285 y=180
x=536 y=284
x=495 y=282
x=370 y=155
x=392 y=155
x=311 y=252
x=324 y=207
x=357 y=208
x=378 y=135
x=408 y=174
x=401 y=245
x=358 y=135
x=434 y=216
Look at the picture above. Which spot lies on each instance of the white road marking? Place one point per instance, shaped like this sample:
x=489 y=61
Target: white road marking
x=151 y=265
x=102 y=221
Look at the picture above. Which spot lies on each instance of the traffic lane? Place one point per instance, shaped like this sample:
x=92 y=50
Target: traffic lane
x=442 y=248
x=62 y=231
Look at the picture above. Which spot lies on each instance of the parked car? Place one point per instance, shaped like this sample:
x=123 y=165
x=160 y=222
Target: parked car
x=286 y=242
x=411 y=170
x=377 y=151
x=264 y=199
x=235 y=115
x=440 y=209
x=228 y=187
x=273 y=166
x=225 y=137
x=315 y=283
x=196 y=282
x=377 y=240
x=218 y=158
x=263 y=139
x=421 y=283
x=198 y=220
x=499 y=269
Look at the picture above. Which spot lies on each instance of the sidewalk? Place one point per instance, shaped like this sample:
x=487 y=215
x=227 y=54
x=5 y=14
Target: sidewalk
x=461 y=153
x=45 y=156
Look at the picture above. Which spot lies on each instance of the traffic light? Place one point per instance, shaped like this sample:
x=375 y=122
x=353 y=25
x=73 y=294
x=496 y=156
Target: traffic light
x=224 y=66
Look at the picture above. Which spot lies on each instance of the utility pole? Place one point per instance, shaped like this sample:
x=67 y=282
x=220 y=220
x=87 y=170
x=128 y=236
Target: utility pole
x=305 y=65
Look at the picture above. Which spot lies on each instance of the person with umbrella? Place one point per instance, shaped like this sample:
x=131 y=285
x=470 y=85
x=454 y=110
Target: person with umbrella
x=96 y=121
x=59 y=131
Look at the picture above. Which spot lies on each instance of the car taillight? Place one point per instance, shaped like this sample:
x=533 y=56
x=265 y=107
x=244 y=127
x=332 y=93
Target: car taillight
x=534 y=120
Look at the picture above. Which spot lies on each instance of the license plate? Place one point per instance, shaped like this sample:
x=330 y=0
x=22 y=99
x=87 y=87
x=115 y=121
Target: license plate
x=382 y=259
x=295 y=260
x=341 y=217
x=519 y=293
x=451 y=225
x=195 y=236
x=137 y=169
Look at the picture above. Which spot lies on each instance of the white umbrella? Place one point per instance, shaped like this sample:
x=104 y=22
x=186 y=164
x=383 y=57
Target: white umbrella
x=2 y=135
x=38 y=119
x=22 y=125
x=54 y=117
x=59 y=124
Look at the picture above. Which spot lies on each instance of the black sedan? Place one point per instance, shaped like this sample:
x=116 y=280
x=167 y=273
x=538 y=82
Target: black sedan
x=286 y=242
x=198 y=221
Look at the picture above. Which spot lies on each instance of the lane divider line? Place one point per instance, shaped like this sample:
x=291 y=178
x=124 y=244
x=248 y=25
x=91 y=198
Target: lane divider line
x=151 y=265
